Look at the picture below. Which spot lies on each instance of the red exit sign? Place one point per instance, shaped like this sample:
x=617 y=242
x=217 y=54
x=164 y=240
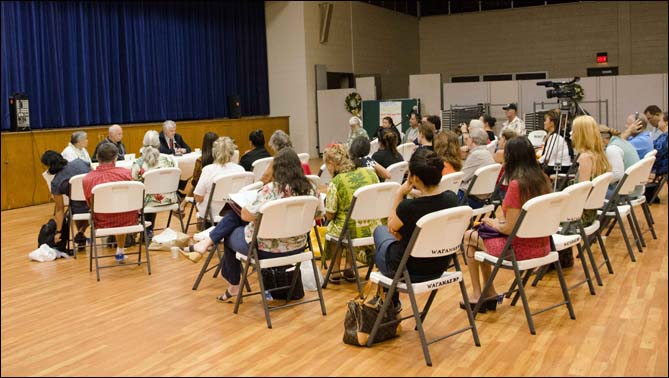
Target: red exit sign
x=602 y=57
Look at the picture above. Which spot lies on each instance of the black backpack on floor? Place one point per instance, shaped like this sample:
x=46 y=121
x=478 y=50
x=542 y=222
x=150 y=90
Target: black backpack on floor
x=47 y=234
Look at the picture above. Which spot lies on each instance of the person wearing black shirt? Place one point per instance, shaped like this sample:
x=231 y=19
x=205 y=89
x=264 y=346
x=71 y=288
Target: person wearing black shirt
x=489 y=126
x=387 y=125
x=391 y=241
x=257 y=139
x=115 y=135
x=387 y=153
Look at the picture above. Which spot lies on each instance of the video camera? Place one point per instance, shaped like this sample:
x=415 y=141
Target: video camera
x=561 y=89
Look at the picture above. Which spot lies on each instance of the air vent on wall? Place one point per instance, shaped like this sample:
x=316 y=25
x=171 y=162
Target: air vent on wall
x=501 y=77
x=465 y=79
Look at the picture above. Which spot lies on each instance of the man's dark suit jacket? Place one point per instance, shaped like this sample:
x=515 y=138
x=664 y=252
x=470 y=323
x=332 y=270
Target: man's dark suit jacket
x=178 y=143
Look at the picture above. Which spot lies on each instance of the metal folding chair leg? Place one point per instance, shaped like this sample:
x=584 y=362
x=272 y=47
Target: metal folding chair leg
x=602 y=247
x=526 y=278
x=205 y=266
x=419 y=325
x=619 y=220
x=591 y=257
x=649 y=219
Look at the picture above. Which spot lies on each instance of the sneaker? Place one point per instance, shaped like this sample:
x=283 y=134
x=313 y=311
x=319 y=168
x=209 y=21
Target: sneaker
x=121 y=258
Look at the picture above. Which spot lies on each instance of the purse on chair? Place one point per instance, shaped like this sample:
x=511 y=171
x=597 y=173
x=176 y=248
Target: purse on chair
x=360 y=318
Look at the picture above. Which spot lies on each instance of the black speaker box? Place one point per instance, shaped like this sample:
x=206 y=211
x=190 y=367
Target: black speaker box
x=235 y=106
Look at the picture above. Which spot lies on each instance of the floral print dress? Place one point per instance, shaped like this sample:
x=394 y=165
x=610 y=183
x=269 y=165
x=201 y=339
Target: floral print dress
x=139 y=167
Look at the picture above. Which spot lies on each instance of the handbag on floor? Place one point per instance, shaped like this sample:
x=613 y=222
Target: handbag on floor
x=282 y=276
x=360 y=318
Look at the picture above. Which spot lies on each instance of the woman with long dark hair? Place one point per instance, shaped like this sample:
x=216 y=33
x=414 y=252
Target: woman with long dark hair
x=387 y=124
x=288 y=180
x=526 y=180
x=387 y=153
x=206 y=158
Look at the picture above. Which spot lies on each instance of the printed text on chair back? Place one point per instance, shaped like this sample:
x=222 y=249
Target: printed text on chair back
x=119 y=197
x=397 y=171
x=486 y=178
x=287 y=217
x=162 y=180
x=542 y=215
x=573 y=207
x=451 y=182
x=430 y=240
x=374 y=201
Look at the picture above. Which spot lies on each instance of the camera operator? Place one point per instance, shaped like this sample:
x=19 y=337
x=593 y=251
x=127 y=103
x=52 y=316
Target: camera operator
x=556 y=150
x=512 y=121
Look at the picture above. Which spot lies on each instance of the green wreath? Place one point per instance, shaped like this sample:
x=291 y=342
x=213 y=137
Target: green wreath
x=353 y=103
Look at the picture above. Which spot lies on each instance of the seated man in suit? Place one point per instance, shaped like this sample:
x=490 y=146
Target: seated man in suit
x=172 y=143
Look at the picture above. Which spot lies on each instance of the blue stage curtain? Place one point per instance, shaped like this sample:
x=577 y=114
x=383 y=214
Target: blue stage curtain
x=91 y=63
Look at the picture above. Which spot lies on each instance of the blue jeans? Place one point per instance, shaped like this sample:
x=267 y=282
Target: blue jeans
x=472 y=201
x=235 y=242
x=383 y=239
x=225 y=227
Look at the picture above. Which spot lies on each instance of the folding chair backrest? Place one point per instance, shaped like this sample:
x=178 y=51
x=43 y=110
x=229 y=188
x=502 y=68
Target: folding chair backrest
x=162 y=180
x=373 y=146
x=373 y=201
x=485 y=180
x=304 y=157
x=254 y=186
x=536 y=137
x=451 y=182
x=187 y=166
x=397 y=171
x=650 y=153
x=600 y=185
x=260 y=166
x=228 y=183
x=77 y=188
x=315 y=181
x=48 y=177
x=429 y=238
x=235 y=157
x=406 y=150
x=118 y=197
x=636 y=174
x=324 y=174
x=542 y=215
x=492 y=146
x=647 y=168
x=300 y=210
x=578 y=195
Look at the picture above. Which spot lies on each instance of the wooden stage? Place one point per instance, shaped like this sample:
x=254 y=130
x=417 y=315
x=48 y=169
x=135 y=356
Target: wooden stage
x=58 y=321
x=22 y=182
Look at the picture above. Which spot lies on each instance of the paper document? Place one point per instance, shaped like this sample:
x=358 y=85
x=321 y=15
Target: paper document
x=244 y=198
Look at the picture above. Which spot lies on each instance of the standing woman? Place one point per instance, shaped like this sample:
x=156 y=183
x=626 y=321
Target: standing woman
x=76 y=149
x=556 y=149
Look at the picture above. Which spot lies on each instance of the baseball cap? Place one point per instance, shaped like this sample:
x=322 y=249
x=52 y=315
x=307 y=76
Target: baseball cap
x=510 y=106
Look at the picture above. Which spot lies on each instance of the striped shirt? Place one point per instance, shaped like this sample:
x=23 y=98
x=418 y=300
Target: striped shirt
x=108 y=172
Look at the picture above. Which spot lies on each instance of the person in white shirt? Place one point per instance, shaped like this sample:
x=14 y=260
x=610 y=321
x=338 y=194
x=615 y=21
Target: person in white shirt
x=512 y=121
x=556 y=150
x=76 y=149
x=223 y=150
x=411 y=135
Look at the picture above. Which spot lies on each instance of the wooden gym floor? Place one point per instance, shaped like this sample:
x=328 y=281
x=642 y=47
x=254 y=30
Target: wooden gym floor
x=58 y=321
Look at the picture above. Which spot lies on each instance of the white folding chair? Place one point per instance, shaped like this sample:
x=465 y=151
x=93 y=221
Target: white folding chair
x=187 y=166
x=429 y=241
x=304 y=157
x=491 y=147
x=235 y=157
x=316 y=182
x=48 y=177
x=260 y=166
x=159 y=181
x=482 y=185
x=536 y=137
x=373 y=146
x=451 y=182
x=369 y=203
x=406 y=150
x=253 y=186
x=595 y=201
x=397 y=171
x=325 y=175
x=539 y=217
x=223 y=186
x=271 y=224
x=641 y=200
x=650 y=153
x=77 y=194
x=619 y=205
x=572 y=211
x=117 y=197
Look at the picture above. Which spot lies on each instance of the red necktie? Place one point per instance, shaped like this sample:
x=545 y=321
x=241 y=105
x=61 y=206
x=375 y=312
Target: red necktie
x=171 y=144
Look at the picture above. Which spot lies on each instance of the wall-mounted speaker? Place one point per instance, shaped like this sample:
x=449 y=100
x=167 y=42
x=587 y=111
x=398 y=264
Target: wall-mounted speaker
x=326 y=16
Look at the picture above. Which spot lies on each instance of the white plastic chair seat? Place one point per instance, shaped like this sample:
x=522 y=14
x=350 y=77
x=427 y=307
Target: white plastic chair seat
x=565 y=241
x=551 y=257
x=483 y=210
x=159 y=209
x=120 y=230
x=638 y=201
x=356 y=242
x=280 y=261
x=190 y=200
x=623 y=209
x=421 y=287
x=81 y=217
x=590 y=230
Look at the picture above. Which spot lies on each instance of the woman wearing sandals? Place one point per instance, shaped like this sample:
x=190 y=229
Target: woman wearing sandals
x=526 y=180
x=346 y=179
x=288 y=180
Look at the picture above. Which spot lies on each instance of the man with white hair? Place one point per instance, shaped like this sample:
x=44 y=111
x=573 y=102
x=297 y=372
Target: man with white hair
x=172 y=143
x=114 y=137
x=478 y=157
x=356 y=130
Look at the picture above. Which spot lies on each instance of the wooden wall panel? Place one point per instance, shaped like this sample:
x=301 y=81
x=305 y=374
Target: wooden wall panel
x=22 y=182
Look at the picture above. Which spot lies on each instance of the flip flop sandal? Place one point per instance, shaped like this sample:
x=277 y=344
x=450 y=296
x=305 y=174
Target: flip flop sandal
x=226 y=297
x=349 y=275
